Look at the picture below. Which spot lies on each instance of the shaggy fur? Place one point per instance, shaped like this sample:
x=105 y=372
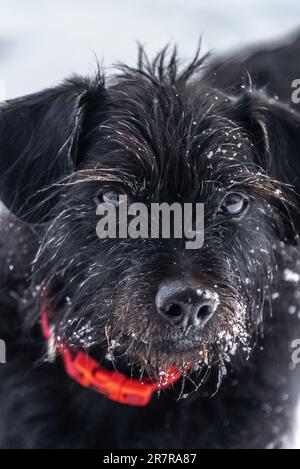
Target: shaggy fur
x=158 y=132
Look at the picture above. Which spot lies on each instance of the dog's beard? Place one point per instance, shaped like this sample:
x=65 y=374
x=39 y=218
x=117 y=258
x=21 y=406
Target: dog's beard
x=207 y=357
x=153 y=348
x=135 y=344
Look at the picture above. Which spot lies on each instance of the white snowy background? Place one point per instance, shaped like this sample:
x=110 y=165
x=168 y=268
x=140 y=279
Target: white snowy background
x=42 y=42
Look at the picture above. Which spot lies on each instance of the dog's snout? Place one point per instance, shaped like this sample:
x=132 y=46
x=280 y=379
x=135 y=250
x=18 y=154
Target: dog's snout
x=184 y=306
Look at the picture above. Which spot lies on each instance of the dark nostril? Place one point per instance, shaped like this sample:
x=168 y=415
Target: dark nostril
x=174 y=311
x=183 y=306
x=204 y=312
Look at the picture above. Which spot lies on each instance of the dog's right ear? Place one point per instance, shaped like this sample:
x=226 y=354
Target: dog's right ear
x=40 y=143
x=274 y=129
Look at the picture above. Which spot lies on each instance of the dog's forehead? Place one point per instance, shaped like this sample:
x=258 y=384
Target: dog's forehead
x=193 y=124
x=171 y=136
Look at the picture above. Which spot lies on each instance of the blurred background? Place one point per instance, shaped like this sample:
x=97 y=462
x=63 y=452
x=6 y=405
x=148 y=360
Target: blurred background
x=41 y=42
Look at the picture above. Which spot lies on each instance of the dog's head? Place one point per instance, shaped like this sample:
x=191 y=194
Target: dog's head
x=155 y=134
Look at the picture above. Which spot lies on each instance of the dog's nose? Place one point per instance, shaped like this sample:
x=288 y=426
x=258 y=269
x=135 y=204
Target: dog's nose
x=185 y=306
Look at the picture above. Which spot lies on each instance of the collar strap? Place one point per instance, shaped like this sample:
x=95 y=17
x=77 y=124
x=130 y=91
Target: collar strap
x=111 y=384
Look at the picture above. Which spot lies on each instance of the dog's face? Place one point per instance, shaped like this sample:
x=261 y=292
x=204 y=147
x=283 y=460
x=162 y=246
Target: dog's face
x=154 y=135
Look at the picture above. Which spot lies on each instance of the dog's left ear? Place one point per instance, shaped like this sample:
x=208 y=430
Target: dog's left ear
x=274 y=129
x=39 y=144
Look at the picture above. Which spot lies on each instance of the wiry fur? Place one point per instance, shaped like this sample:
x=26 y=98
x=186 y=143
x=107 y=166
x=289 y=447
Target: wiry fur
x=161 y=134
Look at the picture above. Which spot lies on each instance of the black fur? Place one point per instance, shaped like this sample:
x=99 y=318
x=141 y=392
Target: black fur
x=159 y=133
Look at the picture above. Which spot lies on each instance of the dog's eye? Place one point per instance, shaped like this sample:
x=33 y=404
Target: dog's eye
x=234 y=204
x=109 y=197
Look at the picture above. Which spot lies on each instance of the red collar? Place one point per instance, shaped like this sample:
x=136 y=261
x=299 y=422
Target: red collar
x=111 y=384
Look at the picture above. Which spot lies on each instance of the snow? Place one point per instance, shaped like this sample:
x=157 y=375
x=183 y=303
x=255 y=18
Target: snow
x=292 y=309
x=43 y=42
x=290 y=276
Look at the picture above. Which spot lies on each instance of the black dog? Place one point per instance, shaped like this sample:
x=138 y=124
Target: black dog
x=157 y=133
